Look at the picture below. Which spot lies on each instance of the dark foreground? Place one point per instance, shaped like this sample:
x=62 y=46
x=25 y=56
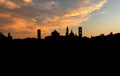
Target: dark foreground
x=61 y=58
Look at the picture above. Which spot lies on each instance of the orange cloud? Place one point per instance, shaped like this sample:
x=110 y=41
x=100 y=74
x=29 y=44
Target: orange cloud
x=45 y=17
x=73 y=17
x=28 y=1
x=1 y=1
x=22 y=28
x=5 y=15
x=9 y=4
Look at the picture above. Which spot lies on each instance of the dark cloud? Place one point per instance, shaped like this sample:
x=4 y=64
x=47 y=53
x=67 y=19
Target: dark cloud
x=5 y=22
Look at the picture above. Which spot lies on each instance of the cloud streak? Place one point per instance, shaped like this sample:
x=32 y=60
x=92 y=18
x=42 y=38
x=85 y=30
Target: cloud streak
x=28 y=1
x=9 y=4
x=30 y=15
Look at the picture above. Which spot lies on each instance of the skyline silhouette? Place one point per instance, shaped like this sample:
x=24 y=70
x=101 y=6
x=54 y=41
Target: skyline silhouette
x=67 y=37
x=111 y=40
x=94 y=50
x=56 y=33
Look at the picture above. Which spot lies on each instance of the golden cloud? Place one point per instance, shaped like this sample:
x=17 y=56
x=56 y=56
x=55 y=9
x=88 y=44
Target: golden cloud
x=50 y=18
x=1 y=1
x=5 y=15
x=74 y=17
x=28 y=1
x=84 y=8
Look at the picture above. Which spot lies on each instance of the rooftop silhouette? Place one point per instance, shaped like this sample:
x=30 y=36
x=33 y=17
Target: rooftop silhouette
x=69 y=40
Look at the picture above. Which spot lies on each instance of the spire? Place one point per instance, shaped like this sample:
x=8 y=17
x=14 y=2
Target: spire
x=67 y=31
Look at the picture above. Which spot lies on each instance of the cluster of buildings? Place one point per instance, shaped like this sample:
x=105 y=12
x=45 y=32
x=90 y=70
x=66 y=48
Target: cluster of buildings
x=56 y=34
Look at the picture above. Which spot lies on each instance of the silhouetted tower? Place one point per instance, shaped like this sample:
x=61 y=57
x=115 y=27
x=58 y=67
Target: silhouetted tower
x=67 y=31
x=39 y=34
x=80 y=32
x=9 y=36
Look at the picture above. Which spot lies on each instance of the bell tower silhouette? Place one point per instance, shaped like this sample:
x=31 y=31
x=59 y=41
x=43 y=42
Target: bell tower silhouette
x=39 y=34
x=80 y=32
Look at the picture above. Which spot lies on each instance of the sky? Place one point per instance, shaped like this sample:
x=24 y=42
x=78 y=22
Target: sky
x=22 y=18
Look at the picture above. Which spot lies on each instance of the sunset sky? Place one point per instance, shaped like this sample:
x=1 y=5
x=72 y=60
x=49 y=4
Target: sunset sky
x=22 y=18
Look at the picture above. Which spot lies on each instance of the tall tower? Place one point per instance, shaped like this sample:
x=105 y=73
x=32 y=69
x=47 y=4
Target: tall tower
x=80 y=32
x=39 y=34
x=67 y=31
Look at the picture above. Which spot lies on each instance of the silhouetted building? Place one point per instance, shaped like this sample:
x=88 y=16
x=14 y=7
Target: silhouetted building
x=80 y=32
x=39 y=34
x=2 y=36
x=71 y=33
x=9 y=36
x=67 y=31
x=55 y=33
